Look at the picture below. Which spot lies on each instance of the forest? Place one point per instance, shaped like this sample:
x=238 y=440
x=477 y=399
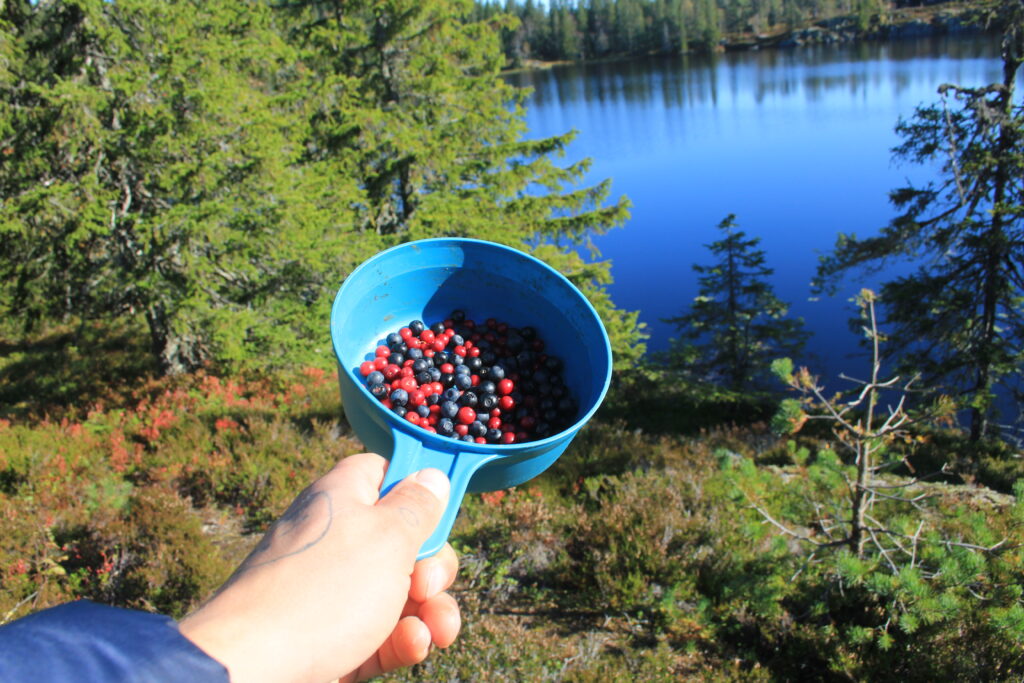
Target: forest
x=184 y=186
x=563 y=30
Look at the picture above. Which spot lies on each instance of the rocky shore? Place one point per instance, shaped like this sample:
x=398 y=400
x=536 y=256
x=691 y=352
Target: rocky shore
x=899 y=25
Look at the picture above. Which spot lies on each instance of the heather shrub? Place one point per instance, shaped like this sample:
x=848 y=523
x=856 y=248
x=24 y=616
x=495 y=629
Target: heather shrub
x=156 y=556
x=150 y=502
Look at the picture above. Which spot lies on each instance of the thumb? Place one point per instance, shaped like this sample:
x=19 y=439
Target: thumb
x=418 y=501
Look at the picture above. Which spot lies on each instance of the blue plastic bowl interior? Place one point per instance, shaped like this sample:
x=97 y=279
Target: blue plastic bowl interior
x=427 y=280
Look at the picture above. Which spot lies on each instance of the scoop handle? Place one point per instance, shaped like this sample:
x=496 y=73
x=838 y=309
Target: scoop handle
x=411 y=455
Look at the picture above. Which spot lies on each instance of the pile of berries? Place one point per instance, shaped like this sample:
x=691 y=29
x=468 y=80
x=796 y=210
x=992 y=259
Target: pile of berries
x=489 y=383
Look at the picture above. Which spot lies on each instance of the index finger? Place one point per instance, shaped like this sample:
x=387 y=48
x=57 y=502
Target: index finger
x=434 y=574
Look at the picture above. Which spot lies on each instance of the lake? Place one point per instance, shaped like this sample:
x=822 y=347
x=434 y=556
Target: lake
x=796 y=142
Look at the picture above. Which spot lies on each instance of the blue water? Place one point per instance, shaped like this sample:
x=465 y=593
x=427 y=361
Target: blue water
x=795 y=142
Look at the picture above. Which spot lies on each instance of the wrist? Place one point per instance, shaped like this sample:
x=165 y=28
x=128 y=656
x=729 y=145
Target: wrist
x=232 y=637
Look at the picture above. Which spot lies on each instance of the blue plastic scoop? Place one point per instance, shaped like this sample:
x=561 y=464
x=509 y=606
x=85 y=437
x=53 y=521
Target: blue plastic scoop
x=426 y=280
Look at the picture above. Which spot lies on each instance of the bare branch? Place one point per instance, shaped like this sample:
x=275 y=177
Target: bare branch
x=969 y=546
x=913 y=546
x=884 y=553
x=900 y=499
x=805 y=565
x=783 y=528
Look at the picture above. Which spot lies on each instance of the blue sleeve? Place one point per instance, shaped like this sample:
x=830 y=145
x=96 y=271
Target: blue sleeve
x=85 y=641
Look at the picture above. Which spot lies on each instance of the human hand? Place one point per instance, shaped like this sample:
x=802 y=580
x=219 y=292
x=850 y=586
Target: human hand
x=334 y=589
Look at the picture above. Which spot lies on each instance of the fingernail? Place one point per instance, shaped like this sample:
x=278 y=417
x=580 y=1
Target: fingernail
x=435 y=481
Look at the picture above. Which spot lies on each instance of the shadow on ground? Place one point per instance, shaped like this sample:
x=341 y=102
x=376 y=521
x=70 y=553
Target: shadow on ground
x=69 y=369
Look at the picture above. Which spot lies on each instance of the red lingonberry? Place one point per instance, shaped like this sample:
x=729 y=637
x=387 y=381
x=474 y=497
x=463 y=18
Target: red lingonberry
x=365 y=368
x=504 y=423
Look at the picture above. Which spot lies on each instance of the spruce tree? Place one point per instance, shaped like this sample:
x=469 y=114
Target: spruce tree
x=736 y=321
x=151 y=174
x=434 y=139
x=216 y=169
x=958 y=318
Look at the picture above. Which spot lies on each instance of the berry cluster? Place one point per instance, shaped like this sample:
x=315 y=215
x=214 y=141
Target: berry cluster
x=489 y=383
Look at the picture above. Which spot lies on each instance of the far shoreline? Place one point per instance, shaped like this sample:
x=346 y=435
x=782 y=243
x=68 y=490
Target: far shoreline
x=902 y=24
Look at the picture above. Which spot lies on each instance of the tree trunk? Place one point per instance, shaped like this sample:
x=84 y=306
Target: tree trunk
x=176 y=354
x=997 y=242
x=732 y=303
x=862 y=494
x=860 y=505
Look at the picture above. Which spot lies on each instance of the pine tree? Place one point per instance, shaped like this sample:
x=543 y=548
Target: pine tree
x=958 y=318
x=736 y=319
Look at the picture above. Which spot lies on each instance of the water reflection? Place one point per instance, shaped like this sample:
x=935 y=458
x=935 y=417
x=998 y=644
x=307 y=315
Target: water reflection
x=813 y=71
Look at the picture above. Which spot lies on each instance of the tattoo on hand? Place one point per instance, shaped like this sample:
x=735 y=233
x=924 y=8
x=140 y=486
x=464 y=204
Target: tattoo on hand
x=295 y=520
